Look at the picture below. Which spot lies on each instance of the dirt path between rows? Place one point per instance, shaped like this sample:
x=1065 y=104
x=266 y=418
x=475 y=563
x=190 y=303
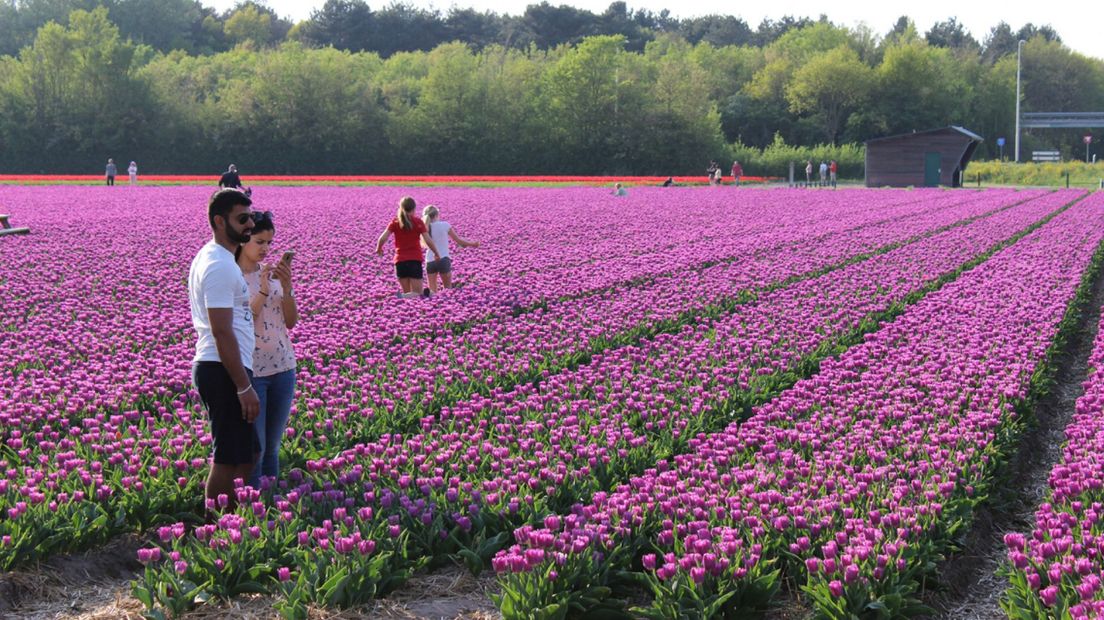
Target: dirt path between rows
x=96 y=586
x=973 y=587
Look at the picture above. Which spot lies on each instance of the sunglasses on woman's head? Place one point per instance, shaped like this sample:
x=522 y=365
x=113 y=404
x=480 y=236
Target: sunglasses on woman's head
x=261 y=216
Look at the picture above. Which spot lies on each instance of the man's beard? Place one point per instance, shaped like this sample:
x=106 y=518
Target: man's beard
x=238 y=237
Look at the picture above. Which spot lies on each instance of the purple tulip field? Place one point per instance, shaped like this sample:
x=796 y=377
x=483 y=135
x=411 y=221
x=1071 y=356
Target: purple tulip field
x=683 y=403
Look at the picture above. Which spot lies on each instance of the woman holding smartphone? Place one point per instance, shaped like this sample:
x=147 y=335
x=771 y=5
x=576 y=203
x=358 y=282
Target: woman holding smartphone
x=274 y=313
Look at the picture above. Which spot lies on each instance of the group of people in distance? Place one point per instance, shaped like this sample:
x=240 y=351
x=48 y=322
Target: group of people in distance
x=716 y=174
x=827 y=171
x=111 y=171
x=242 y=309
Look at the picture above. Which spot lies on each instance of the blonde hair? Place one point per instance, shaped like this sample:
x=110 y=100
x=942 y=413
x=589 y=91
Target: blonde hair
x=405 y=205
x=430 y=214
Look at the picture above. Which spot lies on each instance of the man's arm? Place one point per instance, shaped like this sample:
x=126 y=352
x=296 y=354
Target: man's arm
x=222 y=328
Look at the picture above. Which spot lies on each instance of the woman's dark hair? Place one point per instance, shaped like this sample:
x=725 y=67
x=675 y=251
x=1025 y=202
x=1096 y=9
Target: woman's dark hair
x=262 y=221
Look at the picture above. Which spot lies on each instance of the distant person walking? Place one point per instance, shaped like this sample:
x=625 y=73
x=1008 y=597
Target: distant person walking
x=110 y=171
x=132 y=170
x=272 y=303
x=808 y=172
x=230 y=179
x=833 y=168
x=223 y=362
x=737 y=172
x=441 y=264
x=408 y=230
x=712 y=172
x=823 y=173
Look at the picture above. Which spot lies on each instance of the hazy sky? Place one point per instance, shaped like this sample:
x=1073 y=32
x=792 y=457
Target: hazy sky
x=1073 y=21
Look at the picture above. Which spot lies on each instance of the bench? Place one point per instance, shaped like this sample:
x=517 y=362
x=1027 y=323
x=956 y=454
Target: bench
x=6 y=227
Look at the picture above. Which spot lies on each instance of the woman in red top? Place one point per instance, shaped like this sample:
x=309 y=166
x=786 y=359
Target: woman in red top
x=408 y=229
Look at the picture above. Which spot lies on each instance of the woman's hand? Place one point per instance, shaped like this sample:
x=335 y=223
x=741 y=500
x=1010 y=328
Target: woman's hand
x=283 y=274
x=266 y=278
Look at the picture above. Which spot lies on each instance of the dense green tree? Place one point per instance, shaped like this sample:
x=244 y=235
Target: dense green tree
x=73 y=94
x=920 y=87
x=953 y=35
x=183 y=88
x=829 y=87
x=478 y=30
x=718 y=30
x=344 y=24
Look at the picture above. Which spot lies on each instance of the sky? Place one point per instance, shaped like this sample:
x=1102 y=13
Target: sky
x=1076 y=27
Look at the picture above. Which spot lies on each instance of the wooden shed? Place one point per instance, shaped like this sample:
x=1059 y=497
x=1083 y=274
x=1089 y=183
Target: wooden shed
x=921 y=158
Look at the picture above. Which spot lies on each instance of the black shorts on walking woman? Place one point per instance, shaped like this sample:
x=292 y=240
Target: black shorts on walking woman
x=409 y=269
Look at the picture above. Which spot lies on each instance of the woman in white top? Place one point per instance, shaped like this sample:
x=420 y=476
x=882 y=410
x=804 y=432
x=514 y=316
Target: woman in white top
x=132 y=170
x=274 y=313
x=441 y=231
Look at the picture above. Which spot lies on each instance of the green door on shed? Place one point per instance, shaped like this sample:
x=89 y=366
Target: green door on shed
x=933 y=168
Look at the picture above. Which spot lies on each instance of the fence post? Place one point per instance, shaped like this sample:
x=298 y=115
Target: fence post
x=1067 y=180
x=979 y=179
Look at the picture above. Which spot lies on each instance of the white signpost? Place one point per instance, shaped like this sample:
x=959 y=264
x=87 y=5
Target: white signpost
x=1088 y=141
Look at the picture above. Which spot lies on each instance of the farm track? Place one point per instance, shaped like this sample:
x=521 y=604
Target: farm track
x=973 y=585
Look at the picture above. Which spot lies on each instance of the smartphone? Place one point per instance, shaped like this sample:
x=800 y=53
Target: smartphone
x=286 y=258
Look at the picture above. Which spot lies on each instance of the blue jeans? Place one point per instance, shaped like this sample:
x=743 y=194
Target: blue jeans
x=275 y=393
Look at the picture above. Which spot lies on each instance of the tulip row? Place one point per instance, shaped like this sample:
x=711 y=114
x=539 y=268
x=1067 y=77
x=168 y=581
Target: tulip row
x=494 y=461
x=853 y=482
x=1058 y=570
x=88 y=466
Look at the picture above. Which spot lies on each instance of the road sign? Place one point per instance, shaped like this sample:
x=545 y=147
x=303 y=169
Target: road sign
x=1087 y=139
x=1046 y=156
x=1000 y=141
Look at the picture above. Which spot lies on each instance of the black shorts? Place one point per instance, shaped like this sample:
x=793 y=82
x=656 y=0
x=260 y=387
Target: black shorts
x=409 y=269
x=235 y=440
x=441 y=265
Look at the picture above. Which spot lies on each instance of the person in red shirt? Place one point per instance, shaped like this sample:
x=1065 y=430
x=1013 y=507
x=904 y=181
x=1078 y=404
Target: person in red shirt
x=832 y=169
x=737 y=172
x=408 y=229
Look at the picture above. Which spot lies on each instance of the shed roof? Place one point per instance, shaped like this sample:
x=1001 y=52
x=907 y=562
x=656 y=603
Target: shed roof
x=961 y=130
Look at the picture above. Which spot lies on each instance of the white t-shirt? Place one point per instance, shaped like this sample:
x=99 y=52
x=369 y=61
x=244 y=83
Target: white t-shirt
x=439 y=232
x=215 y=281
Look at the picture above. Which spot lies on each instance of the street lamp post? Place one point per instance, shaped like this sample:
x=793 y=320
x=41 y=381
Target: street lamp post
x=1019 y=53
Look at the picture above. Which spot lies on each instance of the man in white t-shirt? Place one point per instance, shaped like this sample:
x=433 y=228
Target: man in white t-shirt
x=223 y=360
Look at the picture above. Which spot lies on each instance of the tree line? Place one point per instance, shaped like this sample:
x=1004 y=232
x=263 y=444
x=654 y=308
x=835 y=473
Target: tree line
x=180 y=87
